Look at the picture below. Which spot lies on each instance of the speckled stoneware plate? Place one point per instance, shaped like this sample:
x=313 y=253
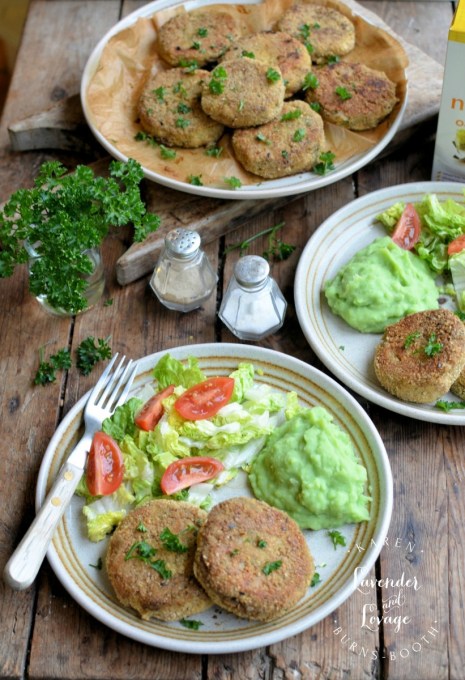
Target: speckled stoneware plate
x=345 y=351
x=71 y=554
x=285 y=186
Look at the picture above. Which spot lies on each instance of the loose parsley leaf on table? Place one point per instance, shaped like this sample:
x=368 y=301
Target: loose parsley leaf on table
x=89 y=353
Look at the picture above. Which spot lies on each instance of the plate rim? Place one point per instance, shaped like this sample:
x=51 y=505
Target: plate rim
x=391 y=403
x=301 y=186
x=381 y=526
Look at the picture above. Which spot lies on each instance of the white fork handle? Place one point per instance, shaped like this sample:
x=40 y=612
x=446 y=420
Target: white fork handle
x=23 y=566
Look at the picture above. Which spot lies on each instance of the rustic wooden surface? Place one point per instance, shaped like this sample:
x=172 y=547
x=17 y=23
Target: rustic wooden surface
x=43 y=632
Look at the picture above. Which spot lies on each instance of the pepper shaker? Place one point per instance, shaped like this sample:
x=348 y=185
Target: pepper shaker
x=253 y=306
x=183 y=277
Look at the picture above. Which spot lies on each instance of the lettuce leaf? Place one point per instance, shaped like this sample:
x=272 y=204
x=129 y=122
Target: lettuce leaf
x=170 y=371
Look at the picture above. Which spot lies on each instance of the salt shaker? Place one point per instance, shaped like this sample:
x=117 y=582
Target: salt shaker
x=183 y=277
x=253 y=306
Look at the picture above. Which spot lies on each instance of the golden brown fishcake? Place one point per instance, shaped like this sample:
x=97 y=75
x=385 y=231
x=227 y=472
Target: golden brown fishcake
x=135 y=578
x=200 y=35
x=420 y=356
x=291 y=144
x=458 y=387
x=169 y=109
x=324 y=31
x=353 y=95
x=277 y=49
x=243 y=92
x=252 y=559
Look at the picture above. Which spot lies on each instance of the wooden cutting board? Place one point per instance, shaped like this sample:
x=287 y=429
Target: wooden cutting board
x=64 y=127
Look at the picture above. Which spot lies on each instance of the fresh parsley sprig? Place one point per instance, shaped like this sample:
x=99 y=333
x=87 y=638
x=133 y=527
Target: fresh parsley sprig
x=90 y=353
x=61 y=217
x=277 y=249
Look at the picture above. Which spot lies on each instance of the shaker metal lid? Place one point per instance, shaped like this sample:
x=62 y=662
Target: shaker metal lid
x=251 y=270
x=182 y=242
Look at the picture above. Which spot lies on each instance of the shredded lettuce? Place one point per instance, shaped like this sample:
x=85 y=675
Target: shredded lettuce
x=234 y=435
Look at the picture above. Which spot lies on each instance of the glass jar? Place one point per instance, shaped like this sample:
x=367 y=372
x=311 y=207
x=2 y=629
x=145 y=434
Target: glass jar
x=183 y=277
x=95 y=282
x=253 y=306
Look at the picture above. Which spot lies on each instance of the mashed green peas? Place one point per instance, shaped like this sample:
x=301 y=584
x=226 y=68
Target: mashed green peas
x=309 y=469
x=380 y=285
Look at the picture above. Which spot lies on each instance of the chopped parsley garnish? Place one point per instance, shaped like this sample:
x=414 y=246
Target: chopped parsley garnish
x=182 y=123
x=315 y=580
x=261 y=543
x=214 y=151
x=141 y=527
x=316 y=106
x=216 y=84
x=202 y=32
x=195 y=180
x=260 y=137
x=269 y=567
x=179 y=89
x=142 y=136
x=343 y=93
x=326 y=163
x=171 y=541
x=310 y=82
x=250 y=55
x=89 y=354
x=432 y=346
x=143 y=551
x=196 y=45
x=298 y=135
x=447 y=406
x=234 y=182
x=192 y=624
x=46 y=373
x=337 y=538
x=99 y=564
x=183 y=108
x=159 y=92
x=333 y=59
x=273 y=75
x=189 y=65
x=410 y=339
x=292 y=115
x=277 y=249
x=166 y=153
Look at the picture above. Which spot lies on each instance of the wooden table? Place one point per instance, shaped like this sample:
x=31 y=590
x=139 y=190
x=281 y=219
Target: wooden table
x=44 y=633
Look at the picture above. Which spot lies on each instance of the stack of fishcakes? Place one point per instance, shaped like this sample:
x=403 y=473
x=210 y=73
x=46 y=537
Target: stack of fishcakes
x=271 y=89
x=169 y=559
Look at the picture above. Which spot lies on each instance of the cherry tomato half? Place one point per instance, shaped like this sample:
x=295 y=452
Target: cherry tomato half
x=407 y=231
x=205 y=399
x=188 y=471
x=457 y=245
x=152 y=410
x=104 y=472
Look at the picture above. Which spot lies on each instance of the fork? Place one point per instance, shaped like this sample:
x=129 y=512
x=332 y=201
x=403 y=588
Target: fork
x=110 y=391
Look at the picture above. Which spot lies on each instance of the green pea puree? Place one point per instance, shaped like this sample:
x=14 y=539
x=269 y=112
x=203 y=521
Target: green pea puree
x=380 y=285
x=309 y=469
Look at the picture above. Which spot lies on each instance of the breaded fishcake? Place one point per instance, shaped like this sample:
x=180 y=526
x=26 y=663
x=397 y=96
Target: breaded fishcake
x=202 y=35
x=148 y=576
x=324 y=31
x=458 y=387
x=243 y=92
x=277 y=49
x=252 y=559
x=420 y=356
x=169 y=109
x=291 y=144
x=353 y=95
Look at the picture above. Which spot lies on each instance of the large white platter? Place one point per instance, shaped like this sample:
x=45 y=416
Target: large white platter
x=346 y=352
x=71 y=554
x=286 y=186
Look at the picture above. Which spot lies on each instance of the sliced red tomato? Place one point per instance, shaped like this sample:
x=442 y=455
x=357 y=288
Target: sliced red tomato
x=104 y=472
x=188 y=471
x=457 y=245
x=152 y=410
x=407 y=231
x=205 y=399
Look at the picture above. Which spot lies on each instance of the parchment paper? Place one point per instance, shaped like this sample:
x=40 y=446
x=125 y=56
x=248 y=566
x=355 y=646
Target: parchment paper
x=131 y=55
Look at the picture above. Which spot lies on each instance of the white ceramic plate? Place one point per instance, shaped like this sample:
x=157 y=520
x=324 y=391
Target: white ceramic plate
x=286 y=186
x=345 y=351
x=71 y=554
